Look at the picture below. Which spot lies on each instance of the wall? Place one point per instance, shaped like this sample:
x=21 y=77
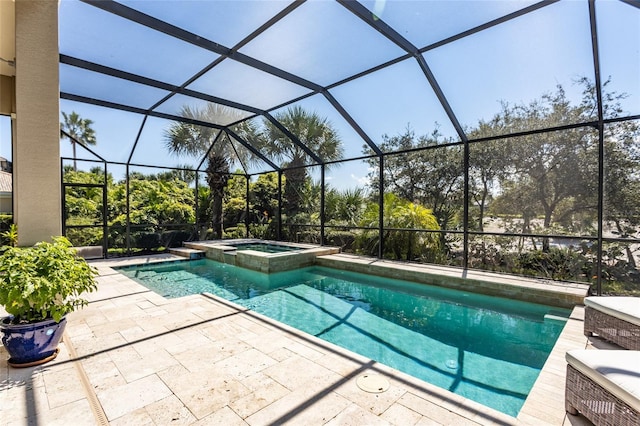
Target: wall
x=36 y=150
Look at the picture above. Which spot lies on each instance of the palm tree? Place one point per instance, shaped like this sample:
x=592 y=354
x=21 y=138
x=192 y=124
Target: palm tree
x=400 y=217
x=187 y=138
x=80 y=130
x=313 y=131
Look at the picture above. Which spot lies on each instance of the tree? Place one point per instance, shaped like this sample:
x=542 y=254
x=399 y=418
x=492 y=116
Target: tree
x=549 y=174
x=183 y=172
x=80 y=130
x=153 y=202
x=235 y=200
x=188 y=138
x=84 y=204
x=425 y=173
x=487 y=163
x=622 y=168
x=157 y=202
x=264 y=196
x=622 y=181
x=344 y=207
x=313 y=131
x=401 y=217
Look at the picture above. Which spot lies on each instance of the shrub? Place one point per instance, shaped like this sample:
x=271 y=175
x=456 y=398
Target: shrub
x=342 y=239
x=43 y=281
x=174 y=238
x=148 y=241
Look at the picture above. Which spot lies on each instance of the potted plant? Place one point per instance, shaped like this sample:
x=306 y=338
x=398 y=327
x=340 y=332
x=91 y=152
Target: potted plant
x=39 y=285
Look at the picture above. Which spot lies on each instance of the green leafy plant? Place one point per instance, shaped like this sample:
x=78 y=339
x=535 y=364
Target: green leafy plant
x=43 y=281
x=11 y=235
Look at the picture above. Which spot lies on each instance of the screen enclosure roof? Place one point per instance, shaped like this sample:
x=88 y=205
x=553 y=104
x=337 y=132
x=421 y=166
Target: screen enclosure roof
x=372 y=69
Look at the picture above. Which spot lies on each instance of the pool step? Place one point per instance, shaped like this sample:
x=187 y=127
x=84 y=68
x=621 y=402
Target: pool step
x=187 y=252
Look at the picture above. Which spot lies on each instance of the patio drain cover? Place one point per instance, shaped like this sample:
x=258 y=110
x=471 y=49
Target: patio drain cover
x=372 y=383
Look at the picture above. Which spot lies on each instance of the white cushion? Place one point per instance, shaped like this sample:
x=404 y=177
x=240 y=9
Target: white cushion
x=624 y=308
x=617 y=371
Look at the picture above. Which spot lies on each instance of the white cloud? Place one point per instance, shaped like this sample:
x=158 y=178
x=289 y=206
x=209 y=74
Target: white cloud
x=362 y=180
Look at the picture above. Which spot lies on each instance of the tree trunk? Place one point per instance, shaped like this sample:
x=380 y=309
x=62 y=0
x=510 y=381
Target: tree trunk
x=294 y=183
x=627 y=247
x=410 y=246
x=75 y=165
x=216 y=216
x=547 y=224
x=485 y=191
x=217 y=177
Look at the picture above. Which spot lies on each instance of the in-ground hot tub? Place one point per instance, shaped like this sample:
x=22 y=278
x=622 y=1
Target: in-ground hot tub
x=262 y=255
x=266 y=247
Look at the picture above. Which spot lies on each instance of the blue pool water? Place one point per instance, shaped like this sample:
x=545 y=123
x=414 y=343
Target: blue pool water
x=487 y=349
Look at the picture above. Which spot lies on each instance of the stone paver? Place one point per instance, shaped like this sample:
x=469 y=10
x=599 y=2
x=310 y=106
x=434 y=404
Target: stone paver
x=203 y=361
x=121 y=400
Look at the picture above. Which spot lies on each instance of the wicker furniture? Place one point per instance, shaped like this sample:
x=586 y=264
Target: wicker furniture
x=604 y=386
x=616 y=319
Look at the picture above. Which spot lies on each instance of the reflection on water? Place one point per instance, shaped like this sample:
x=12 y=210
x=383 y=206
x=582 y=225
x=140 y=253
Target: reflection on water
x=484 y=348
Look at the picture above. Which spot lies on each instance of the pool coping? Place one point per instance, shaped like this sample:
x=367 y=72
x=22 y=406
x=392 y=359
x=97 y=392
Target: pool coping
x=546 y=292
x=224 y=251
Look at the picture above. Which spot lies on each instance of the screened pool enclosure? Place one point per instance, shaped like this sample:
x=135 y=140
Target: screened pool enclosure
x=495 y=135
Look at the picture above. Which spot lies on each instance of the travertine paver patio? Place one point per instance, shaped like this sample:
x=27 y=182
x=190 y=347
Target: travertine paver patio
x=134 y=358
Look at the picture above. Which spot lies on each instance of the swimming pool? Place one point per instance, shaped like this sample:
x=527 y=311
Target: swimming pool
x=487 y=349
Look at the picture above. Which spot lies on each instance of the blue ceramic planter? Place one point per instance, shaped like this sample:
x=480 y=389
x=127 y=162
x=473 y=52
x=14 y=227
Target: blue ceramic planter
x=30 y=343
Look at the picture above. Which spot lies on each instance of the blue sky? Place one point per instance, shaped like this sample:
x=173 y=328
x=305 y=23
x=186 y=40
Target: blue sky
x=321 y=41
x=5 y=136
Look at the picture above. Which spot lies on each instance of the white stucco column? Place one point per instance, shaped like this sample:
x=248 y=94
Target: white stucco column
x=36 y=151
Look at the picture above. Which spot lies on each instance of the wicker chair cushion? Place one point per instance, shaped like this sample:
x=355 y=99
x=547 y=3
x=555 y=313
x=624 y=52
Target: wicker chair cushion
x=617 y=371
x=624 y=308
